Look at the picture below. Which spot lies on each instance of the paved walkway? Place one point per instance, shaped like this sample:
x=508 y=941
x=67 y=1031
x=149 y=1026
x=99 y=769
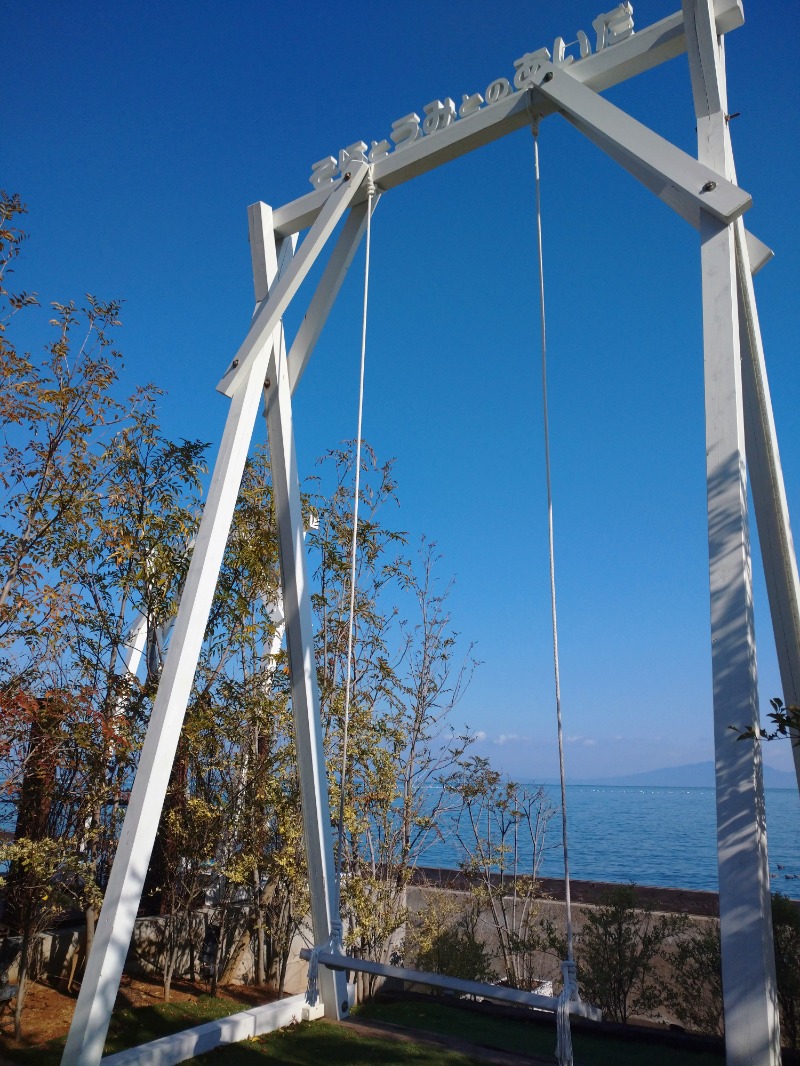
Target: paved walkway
x=451 y=1043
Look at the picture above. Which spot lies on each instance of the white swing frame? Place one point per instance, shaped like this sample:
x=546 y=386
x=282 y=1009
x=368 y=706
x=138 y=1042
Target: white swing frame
x=738 y=423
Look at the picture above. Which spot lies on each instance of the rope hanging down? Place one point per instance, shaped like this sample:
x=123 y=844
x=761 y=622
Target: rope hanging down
x=336 y=940
x=370 y=187
x=569 y=993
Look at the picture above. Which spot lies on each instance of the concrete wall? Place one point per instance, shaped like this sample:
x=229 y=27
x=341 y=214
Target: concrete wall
x=545 y=966
x=60 y=954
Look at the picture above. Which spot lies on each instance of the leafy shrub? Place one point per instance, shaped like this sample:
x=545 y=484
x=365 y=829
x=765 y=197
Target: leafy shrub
x=786 y=931
x=444 y=940
x=696 y=980
x=617 y=948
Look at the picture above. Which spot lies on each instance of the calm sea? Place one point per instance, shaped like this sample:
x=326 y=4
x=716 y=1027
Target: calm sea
x=653 y=836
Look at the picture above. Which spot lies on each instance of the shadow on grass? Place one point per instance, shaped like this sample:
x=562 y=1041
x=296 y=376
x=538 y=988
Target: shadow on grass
x=312 y=1043
x=130 y=1027
x=530 y=1037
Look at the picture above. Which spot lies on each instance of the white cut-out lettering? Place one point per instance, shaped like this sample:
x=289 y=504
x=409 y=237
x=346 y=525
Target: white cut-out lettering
x=527 y=66
x=560 y=57
x=611 y=28
x=379 y=150
x=498 y=90
x=470 y=104
x=406 y=130
x=323 y=172
x=353 y=153
x=438 y=115
x=614 y=26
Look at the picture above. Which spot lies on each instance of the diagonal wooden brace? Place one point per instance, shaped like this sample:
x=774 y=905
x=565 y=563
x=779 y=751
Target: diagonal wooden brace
x=272 y=308
x=683 y=183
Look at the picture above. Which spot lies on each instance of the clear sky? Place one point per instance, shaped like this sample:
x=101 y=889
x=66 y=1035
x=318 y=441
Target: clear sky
x=138 y=133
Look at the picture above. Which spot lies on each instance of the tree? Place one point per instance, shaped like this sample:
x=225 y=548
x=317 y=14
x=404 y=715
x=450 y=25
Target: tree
x=50 y=880
x=695 y=984
x=432 y=684
x=132 y=566
x=53 y=413
x=443 y=938
x=786 y=932
x=97 y=513
x=406 y=682
x=96 y=510
x=618 y=948
x=500 y=827
x=785 y=719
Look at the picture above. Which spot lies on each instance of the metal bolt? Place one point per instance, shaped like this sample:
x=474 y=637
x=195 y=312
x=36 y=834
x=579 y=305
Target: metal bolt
x=267 y=383
x=548 y=76
x=709 y=186
x=347 y=176
x=234 y=364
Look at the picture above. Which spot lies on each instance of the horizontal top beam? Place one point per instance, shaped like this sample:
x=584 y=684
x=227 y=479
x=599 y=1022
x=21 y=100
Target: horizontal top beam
x=474 y=131
x=645 y=49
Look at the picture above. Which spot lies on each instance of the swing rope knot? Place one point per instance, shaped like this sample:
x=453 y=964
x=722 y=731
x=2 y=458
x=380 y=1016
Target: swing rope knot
x=334 y=945
x=569 y=994
x=369 y=184
x=335 y=941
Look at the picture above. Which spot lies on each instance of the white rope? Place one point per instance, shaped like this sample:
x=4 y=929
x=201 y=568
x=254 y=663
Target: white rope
x=569 y=994
x=335 y=942
x=370 y=188
x=335 y=946
x=312 y=988
x=570 y=989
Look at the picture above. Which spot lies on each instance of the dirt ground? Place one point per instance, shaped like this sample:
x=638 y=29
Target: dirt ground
x=48 y=1009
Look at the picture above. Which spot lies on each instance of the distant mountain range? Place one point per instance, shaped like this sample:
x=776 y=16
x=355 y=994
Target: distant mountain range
x=693 y=775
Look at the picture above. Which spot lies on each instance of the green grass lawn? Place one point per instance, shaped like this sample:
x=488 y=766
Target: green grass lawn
x=313 y=1043
x=307 y=1044
x=134 y=1025
x=321 y=1042
x=532 y=1038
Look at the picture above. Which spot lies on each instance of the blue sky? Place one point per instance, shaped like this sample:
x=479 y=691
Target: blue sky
x=139 y=133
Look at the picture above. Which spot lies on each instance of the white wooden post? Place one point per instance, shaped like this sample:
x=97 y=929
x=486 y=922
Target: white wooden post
x=303 y=671
x=327 y=290
x=90 y=1020
x=769 y=494
x=748 y=966
x=84 y=1046
x=270 y=312
x=299 y=628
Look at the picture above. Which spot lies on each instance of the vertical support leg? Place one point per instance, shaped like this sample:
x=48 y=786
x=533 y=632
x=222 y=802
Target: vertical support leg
x=303 y=671
x=92 y=1014
x=299 y=628
x=769 y=493
x=748 y=964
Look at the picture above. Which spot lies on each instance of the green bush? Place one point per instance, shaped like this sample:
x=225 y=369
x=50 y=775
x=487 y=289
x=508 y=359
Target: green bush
x=695 y=983
x=616 y=950
x=444 y=940
x=786 y=931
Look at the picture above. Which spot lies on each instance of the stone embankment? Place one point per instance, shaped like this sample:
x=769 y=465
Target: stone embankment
x=668 y=900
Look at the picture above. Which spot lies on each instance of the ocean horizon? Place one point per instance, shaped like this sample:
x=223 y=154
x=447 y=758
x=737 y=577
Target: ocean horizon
x=658 y=835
